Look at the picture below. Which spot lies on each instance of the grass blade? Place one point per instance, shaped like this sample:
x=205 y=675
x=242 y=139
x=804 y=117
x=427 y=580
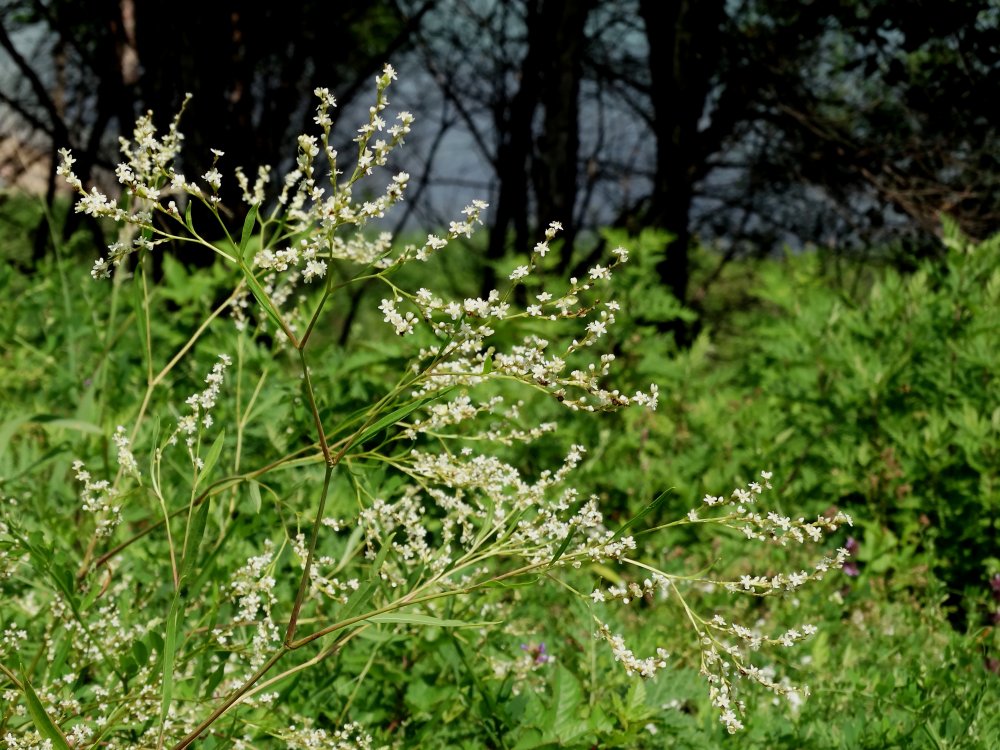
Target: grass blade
x=248 y=224
x=657 y=502
x=395 y=416
x=169 y=654
x=211 y=458
x=40 y=717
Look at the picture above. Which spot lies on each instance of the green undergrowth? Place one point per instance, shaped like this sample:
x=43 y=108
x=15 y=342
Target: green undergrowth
x=880 y=399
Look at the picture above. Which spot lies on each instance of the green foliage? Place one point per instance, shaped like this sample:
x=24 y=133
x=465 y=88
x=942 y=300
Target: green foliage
x=245 y=572
x=886 y=648
x=887 y=405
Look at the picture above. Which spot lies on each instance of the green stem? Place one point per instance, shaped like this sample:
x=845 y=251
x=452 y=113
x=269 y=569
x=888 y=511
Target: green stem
x=300 y=596
x=231 y=699
x=215 y=488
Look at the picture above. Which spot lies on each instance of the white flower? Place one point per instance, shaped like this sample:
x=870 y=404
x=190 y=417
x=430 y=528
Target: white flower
x=519 y=273
x=314 y=269
x=101 y=269
x=599 y=272
x=213 y=178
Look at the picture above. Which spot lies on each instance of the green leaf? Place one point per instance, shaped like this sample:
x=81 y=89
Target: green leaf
x=255 y=495
x=563 y=717
x=51 y=420
x=211 y=458
x=40 y=717
x=169 y=653
x=564 y=545
x=366 y=591
x=350 y=547
x=316 y=458
x=248 y=223
x=412 y=618
x=192 y=541
x=141 y=310
x=657 y=502
x=8 y=430
x=487 y=525
x=399 y=414
x=140 y=652
x=635 y=702
x=187 y=216
x=261 y=296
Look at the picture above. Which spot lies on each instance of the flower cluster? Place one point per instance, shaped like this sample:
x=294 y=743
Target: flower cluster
x=348 y=737
x=524 y=670
x=148 y=175
x=125 y=458
x=632 y=664
x=322 y=579
x=100 y=498
x=252 y=590
x=467 y=325
x=11 y=639
x=726 y=647
x=201 y=405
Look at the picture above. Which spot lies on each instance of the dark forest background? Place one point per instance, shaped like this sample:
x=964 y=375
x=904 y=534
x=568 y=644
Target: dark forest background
x=745 y=126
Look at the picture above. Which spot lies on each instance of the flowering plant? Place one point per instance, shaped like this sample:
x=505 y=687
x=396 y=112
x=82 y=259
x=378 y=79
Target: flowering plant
x=405 y=511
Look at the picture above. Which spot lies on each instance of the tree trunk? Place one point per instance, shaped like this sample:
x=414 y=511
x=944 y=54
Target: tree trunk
x=558 y=145
x=683 y=40
x=513 y=122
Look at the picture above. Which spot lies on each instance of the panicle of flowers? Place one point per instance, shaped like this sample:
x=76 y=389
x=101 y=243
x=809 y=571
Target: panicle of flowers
x=148 y=161
x=323 y=582
x=254 y=196
x=29 y=740
x=726 y=666
x=147 y=174
x=99 y=498
x=102 y=632
x=452 y=413
x=726 y=647
x=405 y=521
x=309 y=205
x=377 y=154
x=655 y=583
x=125 y=458
x=201 y=405
x=632 y=664
x=129 y=242
x=349 y=737
x=65 y=169
x=362 y=249
x=11 y=639
x=327 y=101
x=146 y=171
x=252 y=591
x=468 y=498
x=739 y=512
x=278 y=260
x=467 y=325
x=476 y=495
